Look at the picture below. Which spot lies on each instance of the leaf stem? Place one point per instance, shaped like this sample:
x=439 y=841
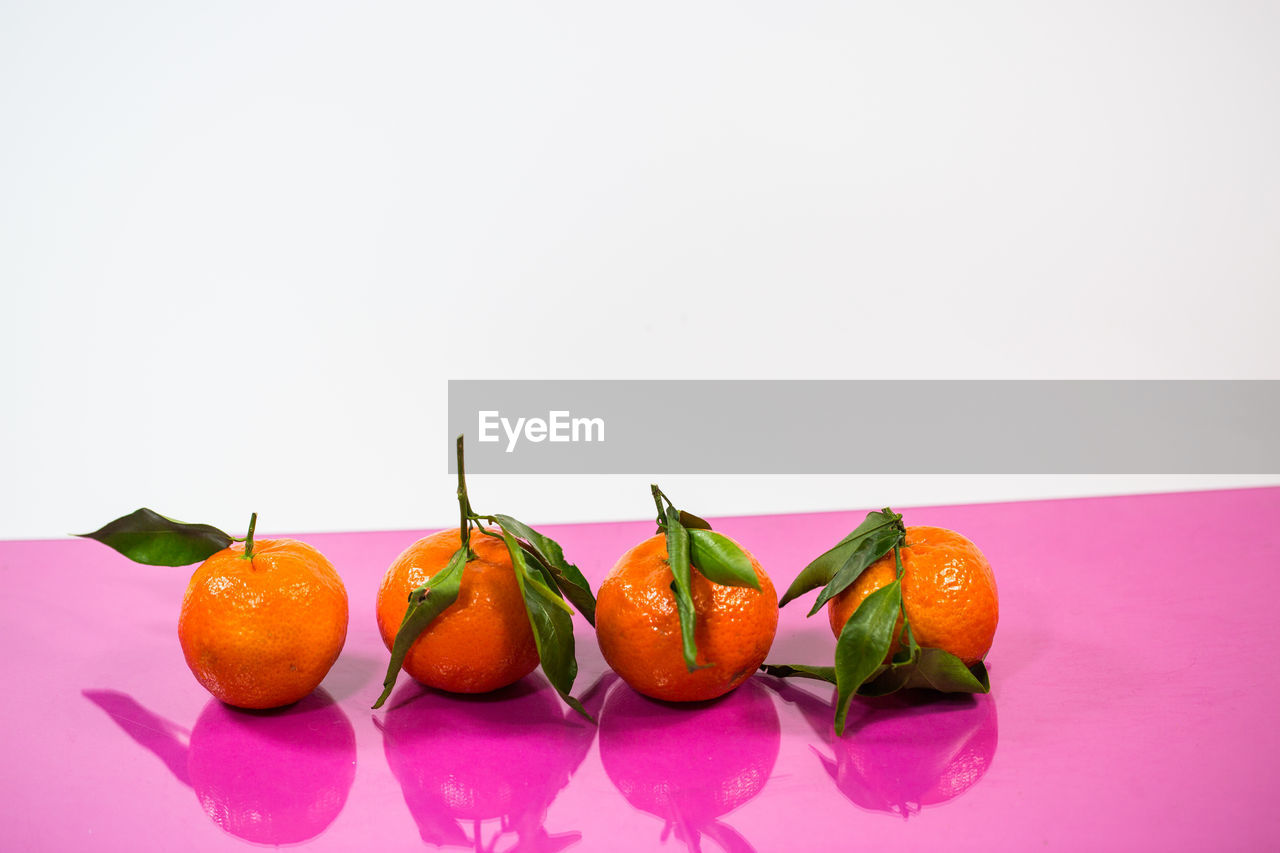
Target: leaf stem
x=248 y=539
x=906 y=623
x=464 y=507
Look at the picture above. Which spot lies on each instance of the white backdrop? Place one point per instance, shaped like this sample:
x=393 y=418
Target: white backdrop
x=243 y=247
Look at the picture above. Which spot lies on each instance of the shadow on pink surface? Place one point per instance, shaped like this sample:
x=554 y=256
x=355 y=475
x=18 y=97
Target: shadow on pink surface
x=902 y=752
x=270 y=777
x=505 y=756
x=691 y=764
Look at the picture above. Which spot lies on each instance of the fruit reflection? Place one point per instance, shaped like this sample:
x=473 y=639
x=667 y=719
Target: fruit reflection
x=692 y=764
x=462 y=760
x=902 y=752
x=270 y=777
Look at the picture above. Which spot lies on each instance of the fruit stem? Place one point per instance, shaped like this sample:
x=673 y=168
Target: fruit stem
x=897 y=519
x=657 y=500
x=464 y=507
x=248 y=539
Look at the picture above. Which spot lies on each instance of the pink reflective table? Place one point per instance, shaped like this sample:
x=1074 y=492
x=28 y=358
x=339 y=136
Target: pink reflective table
x=1133 y=706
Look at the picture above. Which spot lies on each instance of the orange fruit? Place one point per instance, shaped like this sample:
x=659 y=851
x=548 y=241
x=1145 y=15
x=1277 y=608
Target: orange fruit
x=639 y=629
x=948 y=591
x=263 y=632
x=480 y=642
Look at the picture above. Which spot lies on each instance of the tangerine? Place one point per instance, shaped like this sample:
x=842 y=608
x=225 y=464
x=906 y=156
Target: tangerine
x=638 y=627
x=948 y=592
x=479 y=643
x=262 y=631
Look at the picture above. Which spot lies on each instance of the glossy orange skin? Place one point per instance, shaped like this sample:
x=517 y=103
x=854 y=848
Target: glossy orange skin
x=947 y=588
x=638 y=627
x=479 y=643
x=262 y=633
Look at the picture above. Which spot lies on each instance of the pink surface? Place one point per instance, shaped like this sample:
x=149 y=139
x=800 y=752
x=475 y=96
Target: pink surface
x=1134 y=685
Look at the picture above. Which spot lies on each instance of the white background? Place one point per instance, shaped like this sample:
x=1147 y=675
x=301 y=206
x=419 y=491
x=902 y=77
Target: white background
x=243 y=247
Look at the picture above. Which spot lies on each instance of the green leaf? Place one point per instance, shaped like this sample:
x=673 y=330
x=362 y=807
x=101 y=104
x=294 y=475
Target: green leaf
x=863 y=644
x=566 y=575
x=543 y=570
x=720 y=560
x=552 y=623
x=689 y=521
x=825 y=566
x=146 y=536
x=891 y=680
x=678 y=558
x=942 y=671
x=894 y=677
x=800 y=670
x=425 y=604
x=871 y=547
